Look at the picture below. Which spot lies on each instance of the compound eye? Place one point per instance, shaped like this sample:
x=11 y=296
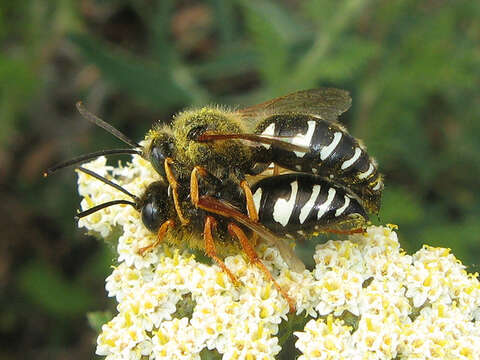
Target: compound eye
x=151 y=216
x=194 y=133
x=158 y=153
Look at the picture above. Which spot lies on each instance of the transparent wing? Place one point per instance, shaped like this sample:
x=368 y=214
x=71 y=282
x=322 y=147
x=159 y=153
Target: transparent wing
x=325 y=103
x=254 y=139
x=225 y=209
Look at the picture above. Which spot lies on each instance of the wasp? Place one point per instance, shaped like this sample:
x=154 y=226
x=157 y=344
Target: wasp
x=286 y=204
x=298 y=132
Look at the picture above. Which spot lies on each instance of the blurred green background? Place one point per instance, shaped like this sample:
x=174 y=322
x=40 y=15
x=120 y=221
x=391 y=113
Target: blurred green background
x=412 y=67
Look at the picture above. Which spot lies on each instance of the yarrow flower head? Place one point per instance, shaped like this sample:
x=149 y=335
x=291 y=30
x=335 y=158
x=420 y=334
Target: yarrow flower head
x=364 y=299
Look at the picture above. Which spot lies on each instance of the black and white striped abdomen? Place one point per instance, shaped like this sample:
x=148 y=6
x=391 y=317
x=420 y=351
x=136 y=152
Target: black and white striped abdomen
x=304 y=202
x=333 y=153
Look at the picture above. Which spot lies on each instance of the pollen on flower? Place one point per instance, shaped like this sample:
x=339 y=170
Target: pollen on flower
x=365 y=297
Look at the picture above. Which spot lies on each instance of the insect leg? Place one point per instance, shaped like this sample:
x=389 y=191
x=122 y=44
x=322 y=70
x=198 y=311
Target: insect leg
x=237 y=232
x=198 y=170
x=210 y=223
x=252 y=211
x=174 y=185
x=276 y=169
x=160 y=235
x=225 y=209
x=194 y=186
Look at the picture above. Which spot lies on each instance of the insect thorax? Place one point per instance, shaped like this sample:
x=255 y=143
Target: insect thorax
x=217 y=157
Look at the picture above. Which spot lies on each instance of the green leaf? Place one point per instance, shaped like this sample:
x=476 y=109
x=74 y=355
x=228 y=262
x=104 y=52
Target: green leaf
x=305 y=73
x=286 y=338
x=272 y=48
x=350 y=56
x=206 y=354
x=225 y=14
x=153 y=84
x=18 y=84
x=280 y=21
x=235 y=59
x=400 y=207
x=47 y=288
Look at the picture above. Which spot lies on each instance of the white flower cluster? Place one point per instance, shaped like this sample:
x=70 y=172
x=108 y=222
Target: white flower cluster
x=423 y=306
x=366 y=298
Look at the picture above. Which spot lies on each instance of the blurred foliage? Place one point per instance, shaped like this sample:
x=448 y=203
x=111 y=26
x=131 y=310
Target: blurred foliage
x=96 y=319
x=412 y=68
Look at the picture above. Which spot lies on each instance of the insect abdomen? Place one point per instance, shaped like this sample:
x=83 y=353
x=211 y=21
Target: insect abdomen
x=333 y=153
x=304 y=203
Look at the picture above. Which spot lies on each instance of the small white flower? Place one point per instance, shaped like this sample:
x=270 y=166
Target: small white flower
x=325 y=339
x=176 y=339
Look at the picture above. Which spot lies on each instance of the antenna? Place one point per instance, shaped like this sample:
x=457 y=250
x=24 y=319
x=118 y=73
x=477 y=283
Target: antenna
x=109 y=203
x=102 y=206
x=104 y=125
x=108 y=182
x=89 y=156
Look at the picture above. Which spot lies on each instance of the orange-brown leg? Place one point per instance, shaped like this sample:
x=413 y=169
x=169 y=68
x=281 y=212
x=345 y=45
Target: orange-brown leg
x=160 y=235
x=194 y=183
x=194 y=195
x=252 y=211
x=226 y=210
x=198 y=170
x=276 y=169
x=237 y=232
x=210 y=223
x=174 y=185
